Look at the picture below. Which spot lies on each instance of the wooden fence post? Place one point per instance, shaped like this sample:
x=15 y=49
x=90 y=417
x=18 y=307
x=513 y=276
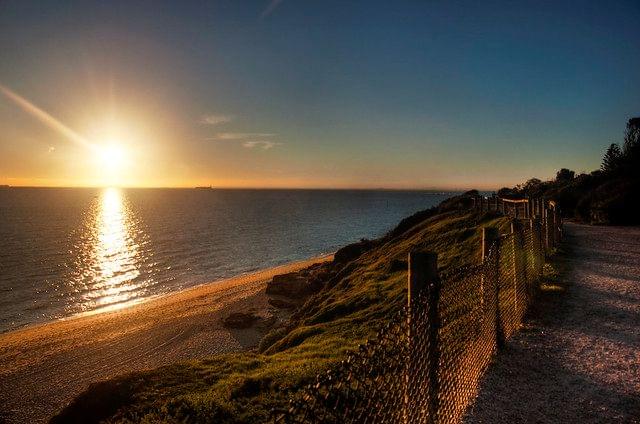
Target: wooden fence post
x=423 y=292
x=532 y=262
x=554 y=227
x=491 y=237
x=548 y=237
x=515 y=234
x=533 y=207
x=557 y=223
x=560 y=226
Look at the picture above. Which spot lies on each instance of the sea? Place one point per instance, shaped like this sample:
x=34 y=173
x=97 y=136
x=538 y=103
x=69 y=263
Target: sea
x=70 y=251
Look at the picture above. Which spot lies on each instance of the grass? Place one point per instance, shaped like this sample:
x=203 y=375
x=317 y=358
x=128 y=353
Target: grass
x=243 y=387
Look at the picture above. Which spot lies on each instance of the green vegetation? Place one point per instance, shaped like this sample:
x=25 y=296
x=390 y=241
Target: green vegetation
x=359 y=297
x=610 y=195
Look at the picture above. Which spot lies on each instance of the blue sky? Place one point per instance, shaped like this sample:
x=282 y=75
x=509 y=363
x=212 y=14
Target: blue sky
x=411 y=94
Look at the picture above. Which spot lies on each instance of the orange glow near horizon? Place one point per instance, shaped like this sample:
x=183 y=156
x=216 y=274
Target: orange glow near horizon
x=133 y=145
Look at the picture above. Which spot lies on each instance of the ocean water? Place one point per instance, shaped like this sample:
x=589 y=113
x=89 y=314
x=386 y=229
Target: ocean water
x=70 y=251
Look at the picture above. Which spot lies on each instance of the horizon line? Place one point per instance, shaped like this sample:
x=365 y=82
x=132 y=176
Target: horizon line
x=441 y=190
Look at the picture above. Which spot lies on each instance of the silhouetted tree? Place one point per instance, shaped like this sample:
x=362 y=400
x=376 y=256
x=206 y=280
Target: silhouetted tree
x=531 y=187
x=532 y=183
x=565 y=175
x=632 y=137
x=631 y=150
x=612 y=158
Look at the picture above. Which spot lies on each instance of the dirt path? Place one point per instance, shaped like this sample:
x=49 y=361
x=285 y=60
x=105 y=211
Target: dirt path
x=44 y=367
x=578 y=358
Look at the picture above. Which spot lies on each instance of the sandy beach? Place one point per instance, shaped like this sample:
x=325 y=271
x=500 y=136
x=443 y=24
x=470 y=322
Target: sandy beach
x=44 y=366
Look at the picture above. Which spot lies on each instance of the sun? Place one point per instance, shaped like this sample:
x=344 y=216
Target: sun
x=111 y=157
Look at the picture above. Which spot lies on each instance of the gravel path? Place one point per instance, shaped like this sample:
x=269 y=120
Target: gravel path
x=577 y=359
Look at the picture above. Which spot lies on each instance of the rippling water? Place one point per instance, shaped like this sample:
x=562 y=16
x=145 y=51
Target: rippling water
x=70 y=251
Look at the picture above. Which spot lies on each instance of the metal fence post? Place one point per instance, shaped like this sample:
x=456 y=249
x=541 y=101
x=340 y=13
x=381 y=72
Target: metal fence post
x=423 y=292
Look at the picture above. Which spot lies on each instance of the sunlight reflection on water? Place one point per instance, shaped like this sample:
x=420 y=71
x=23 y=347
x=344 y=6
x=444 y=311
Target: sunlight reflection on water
x=77 y=251
x=113 y=262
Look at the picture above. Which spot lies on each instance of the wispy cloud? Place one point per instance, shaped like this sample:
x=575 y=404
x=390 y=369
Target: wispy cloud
x=273 y=5
x=262 y=144
x=240 y=136
x=216 y=119
x=248 y=140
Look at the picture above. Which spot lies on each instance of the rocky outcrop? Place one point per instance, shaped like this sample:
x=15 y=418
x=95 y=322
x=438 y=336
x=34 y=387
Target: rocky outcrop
x=301 y=284
x=292 y=284
x=352 y=251
x=240 y=320
x=281 y=303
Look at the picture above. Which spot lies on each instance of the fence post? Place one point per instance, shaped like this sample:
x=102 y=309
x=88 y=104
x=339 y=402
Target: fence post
x=557 y=219
x=532 y=262
x=554 y=225
x=515 y=234
x=423 y=292
x=560 y=227
x=548 y=226
x=491 y=236
x=533 y=206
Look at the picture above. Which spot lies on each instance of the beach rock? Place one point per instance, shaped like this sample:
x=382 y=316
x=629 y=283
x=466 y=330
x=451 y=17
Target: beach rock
x=280 y=303
x=293 y=285
x=267 y=322
x=239 y=320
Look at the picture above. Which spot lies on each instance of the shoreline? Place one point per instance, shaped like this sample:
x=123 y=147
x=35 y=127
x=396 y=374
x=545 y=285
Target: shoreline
x=221 y=283
x=45 y=365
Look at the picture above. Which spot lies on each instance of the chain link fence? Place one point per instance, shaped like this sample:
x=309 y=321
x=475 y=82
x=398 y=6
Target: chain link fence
x=426 y=364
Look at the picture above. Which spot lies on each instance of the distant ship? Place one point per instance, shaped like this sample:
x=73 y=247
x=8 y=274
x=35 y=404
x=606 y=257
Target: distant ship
x=204 y=188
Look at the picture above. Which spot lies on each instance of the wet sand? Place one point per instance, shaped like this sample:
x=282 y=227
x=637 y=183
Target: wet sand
x=44 y=367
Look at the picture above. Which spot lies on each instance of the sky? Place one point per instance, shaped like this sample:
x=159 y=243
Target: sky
x=312 y=94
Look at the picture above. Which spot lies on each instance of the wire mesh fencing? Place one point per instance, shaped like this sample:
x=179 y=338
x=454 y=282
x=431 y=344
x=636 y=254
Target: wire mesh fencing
x=426 y=364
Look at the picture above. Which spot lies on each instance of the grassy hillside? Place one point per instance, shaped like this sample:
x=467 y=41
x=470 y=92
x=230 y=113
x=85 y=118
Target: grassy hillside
x=355 y=301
